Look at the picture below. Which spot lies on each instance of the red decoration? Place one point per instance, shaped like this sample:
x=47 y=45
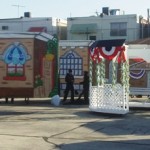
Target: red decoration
x=95 y=55
x=121 y=56
x=98 y=52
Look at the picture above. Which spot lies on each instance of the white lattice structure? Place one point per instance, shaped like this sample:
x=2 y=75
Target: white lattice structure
x=109 y=99
x=112 y=97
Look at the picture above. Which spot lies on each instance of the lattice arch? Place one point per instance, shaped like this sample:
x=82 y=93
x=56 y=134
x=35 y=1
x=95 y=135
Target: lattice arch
x=109 y=91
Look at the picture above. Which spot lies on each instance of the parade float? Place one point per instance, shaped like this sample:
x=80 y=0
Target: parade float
x=139 y=61
x=28 y=64
x=109 y=77
x=73 y=54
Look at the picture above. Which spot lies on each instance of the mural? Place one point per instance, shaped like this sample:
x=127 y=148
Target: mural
x=138 y=75
x=29 y=66
x=52 y=51
x=73 y=55
x=71 y=60
x=136 y=68
x=15 y=56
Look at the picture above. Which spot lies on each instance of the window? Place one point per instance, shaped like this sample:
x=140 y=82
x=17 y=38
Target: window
x=76 y=86
x=92 y=38
x=71 y=61
x=118 y=29
x=15 y=70
x=15 y=57
x=4 y=27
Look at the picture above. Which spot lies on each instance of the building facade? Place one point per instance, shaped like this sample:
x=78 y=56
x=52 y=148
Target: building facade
x=41 y=24
x=104 y=27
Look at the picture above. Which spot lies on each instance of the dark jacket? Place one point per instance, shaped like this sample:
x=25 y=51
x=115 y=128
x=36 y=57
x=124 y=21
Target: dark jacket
x=69 y=79
x=85 y=82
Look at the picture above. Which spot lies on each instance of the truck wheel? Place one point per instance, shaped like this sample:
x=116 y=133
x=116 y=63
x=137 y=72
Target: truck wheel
x=132 y=96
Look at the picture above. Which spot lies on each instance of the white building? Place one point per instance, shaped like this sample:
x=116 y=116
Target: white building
x=41 y=24
x=104 y=27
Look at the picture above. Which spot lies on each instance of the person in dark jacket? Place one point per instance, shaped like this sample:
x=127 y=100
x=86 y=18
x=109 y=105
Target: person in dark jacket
x=69 y=78
x=85 y=91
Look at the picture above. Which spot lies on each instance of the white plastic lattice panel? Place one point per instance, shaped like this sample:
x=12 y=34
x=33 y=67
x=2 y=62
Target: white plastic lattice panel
x=96 y=96
x=109 y=99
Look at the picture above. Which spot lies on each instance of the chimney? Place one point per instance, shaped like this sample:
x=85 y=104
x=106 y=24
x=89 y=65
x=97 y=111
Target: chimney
x=105 y=10
x=27 y=14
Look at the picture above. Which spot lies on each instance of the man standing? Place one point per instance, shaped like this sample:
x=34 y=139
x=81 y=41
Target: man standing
x=85 y=91
x=69 y=86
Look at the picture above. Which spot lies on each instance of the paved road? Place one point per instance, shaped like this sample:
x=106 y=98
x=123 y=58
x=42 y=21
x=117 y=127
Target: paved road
x=41 y=126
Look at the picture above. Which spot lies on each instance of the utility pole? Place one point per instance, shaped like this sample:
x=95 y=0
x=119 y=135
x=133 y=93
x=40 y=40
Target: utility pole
x=18 y=7
x=148 y=20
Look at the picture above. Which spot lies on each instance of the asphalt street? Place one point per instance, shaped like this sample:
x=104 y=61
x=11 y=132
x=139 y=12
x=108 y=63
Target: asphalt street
x=41 y=126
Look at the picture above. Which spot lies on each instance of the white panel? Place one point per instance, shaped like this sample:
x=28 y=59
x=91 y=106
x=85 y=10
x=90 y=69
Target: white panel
x=109 y=99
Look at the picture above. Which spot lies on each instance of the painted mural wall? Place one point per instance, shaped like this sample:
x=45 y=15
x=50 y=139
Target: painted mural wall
x=16 y=62
x=139 y=59
x=28 y=65
x=73 y=55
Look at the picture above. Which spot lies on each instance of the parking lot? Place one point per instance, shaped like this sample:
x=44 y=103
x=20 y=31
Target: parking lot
x=42 y=126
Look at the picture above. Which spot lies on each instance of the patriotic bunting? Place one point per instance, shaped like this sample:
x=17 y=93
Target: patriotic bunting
x=98 y=53
x=107 y=49
x=138 y=75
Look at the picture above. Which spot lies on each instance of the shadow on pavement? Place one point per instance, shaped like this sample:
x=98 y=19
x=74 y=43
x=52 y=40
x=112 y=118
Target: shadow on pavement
x=32 y=102
x=109 y=145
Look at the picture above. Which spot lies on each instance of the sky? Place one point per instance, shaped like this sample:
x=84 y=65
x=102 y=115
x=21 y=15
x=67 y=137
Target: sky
x=69 y=8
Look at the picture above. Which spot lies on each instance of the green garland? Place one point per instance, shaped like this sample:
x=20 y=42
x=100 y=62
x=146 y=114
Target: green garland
x=90 y=75
x=98 y=73
x=102 y=72
x=125 y=75
x=114 y=77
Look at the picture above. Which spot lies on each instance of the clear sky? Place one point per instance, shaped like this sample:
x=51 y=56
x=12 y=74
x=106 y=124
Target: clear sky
x=69 y=8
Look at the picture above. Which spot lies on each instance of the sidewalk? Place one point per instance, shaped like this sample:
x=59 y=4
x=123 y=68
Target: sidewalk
x=41 y=126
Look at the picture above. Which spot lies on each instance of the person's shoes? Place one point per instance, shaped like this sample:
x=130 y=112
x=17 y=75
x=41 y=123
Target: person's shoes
x=86 y=102
x=12 y=100
x=63 y=102
x=6 y=100
x=72 y=102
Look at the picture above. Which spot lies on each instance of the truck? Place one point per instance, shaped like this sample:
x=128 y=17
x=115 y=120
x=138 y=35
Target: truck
x=139 y=66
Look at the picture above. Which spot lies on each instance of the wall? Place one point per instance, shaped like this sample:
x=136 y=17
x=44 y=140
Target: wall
x=28 y=67
x=139 y=58
x=103 y=27
x=80 y=50
x=53 y=25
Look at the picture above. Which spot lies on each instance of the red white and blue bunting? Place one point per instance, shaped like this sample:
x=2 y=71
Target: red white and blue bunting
x=138 y=75
x=97 y=53
x=110 y=50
